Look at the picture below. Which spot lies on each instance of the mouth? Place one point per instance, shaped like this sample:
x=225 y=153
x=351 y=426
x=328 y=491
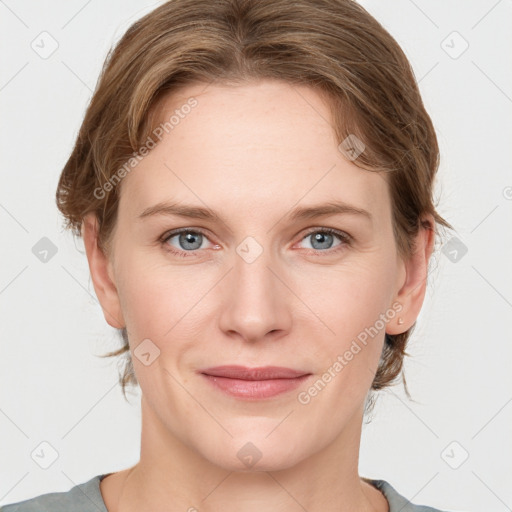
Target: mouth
x=254 y=383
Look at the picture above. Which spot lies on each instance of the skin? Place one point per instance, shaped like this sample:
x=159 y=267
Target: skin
x=252 y=153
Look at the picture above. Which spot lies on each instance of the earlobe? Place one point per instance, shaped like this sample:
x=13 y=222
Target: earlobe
x=413 y=288
x=101 y=273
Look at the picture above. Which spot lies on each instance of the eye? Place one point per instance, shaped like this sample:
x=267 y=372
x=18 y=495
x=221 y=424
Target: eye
x=187 y=241
x=321 y=239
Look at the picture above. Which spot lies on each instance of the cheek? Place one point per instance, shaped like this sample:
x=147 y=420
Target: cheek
x=353 y=309
x=166 y=304
x=152 y=294
x=349 y=300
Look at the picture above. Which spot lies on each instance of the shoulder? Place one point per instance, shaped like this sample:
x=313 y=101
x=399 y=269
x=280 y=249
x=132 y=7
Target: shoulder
x=85 y=497
x=396 y=501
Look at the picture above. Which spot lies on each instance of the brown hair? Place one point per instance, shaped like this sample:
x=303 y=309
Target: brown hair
x=334 y=46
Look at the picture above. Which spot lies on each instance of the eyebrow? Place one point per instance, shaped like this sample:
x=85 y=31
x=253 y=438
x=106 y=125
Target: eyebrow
x=301 y=213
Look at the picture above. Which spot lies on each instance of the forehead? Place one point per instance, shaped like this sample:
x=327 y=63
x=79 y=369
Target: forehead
x=267 y=144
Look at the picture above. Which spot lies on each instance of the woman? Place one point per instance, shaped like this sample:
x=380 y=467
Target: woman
x=253 y=183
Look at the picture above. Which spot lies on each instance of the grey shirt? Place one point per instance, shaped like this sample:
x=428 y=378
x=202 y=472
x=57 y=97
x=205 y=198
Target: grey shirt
x=87 y=497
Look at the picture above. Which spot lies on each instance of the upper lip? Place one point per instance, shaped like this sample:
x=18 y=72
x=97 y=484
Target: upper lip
x=259 y=373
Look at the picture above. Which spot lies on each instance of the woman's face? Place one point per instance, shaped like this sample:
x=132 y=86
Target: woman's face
x=254 y=283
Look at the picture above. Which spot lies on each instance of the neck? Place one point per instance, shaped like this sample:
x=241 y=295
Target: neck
x=172 y=476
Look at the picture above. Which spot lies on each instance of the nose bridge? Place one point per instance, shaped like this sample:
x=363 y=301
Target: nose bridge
x=255 y=304
x=253 y=281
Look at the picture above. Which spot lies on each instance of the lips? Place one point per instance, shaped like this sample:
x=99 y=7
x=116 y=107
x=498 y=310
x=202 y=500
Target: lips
x=254 y=383
x=260 y=373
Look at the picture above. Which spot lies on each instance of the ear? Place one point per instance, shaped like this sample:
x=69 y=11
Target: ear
x=101 y=273
x=413 y=279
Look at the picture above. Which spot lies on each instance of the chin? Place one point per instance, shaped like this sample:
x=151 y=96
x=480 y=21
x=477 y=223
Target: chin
x=244 y=455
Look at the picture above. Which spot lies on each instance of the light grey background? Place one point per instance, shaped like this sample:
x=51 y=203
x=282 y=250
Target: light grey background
x=53 y=387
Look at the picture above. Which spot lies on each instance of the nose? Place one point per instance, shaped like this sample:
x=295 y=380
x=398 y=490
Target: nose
x=255 y=302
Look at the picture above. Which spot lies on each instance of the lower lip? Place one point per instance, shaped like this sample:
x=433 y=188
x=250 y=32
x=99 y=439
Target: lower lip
x=255 y=389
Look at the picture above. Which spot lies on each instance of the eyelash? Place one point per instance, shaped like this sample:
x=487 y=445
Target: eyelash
x=345 y=238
